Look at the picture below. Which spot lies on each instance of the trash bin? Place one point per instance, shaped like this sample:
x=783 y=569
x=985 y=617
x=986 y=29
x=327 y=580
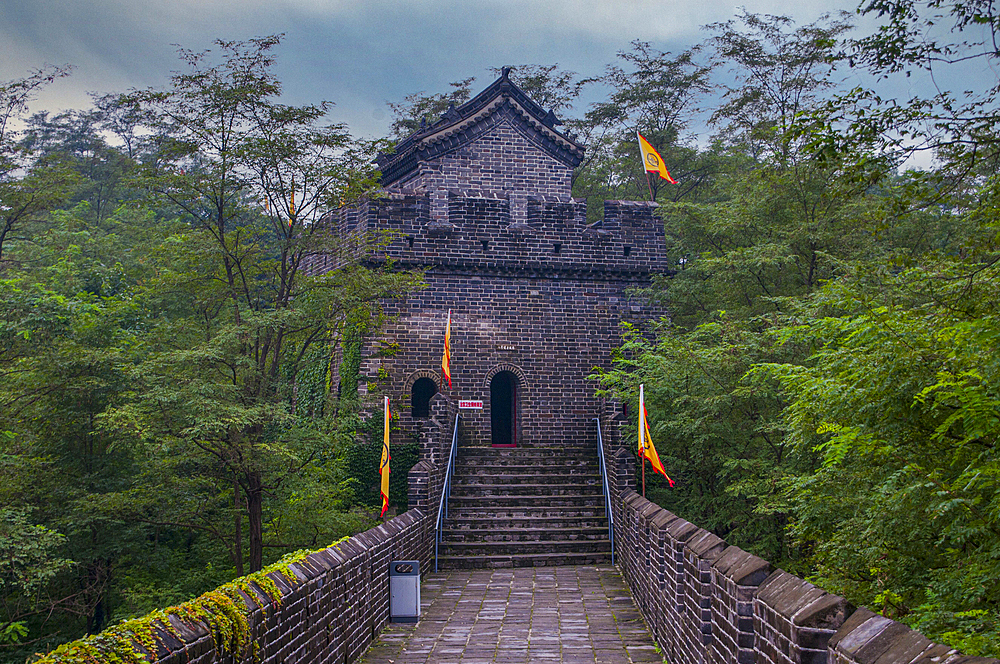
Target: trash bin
x=404 y=591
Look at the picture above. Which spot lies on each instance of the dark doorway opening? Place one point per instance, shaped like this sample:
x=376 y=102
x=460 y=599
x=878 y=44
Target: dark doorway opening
x=503 y=409
x=420 y=398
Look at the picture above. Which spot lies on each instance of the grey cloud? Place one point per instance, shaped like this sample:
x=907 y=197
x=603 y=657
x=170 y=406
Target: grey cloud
x=357 y=54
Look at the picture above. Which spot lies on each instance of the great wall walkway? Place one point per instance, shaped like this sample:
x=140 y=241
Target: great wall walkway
x=575 y=614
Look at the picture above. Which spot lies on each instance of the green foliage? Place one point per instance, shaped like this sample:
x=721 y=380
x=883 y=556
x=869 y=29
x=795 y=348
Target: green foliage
x=824 y=390
x=899 y=400
x=28 y=563
x=220 y=380
x=363 y=459
x=164 y=358
x=30 y=184
x=223 y=611
x=720 y=438
x=655 y=93
x=424 y=108
x=781 y=71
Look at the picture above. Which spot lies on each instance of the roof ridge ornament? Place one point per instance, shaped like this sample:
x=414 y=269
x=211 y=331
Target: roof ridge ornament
x=502 y=101
x=452 y=114
x=551 y=120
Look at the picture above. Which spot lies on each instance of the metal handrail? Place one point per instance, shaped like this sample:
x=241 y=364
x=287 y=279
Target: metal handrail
x=607 y=494
x=446 y=491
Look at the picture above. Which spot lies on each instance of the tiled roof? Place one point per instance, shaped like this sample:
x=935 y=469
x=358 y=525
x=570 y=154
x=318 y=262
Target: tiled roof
x=501 y=101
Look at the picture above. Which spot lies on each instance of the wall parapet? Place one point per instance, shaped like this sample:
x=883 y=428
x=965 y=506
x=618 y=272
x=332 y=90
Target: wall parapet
x=453 y=229
x=325 y=606
x=709 y=603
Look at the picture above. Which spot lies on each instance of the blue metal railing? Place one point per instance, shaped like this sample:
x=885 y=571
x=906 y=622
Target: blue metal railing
x=445 y=491
x=607 y=494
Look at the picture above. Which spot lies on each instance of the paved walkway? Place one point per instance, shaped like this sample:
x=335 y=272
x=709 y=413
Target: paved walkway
x=576 y=615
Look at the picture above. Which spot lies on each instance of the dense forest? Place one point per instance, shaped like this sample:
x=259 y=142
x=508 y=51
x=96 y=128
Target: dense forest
x=824 y=390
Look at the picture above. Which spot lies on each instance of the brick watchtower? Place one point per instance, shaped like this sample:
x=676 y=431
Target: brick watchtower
x=480 y=200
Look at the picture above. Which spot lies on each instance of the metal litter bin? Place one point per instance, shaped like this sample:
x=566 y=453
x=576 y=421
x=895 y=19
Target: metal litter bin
x=404 y=591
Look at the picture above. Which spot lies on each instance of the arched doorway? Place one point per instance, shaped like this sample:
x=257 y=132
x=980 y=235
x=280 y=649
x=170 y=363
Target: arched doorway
x=420 y=398
x=503 y=409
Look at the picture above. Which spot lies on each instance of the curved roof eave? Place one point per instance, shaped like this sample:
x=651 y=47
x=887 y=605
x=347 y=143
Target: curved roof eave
x=459 y=123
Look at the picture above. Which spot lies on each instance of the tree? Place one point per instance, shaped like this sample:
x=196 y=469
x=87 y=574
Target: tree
x=100 y=172
x=771 y=227
x=899 y=398
x=898 y=393
x=950 y=48
x=548 y=86
x=28 y=186
x=420 y=108
x=655 y=93
x=780 y=73
x=251 y=177
x=28 y=562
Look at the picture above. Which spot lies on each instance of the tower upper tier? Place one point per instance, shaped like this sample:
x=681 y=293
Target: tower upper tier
x=499 y=141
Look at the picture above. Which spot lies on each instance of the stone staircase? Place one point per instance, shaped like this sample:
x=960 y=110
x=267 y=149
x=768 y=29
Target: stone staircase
x=525 y=507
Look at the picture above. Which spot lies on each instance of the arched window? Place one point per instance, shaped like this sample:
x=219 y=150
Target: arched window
x=420 y=398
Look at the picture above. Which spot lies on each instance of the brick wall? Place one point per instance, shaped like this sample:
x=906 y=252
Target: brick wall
x=544 y=302
x=426 y=478
x=502 y=159
x=337 y=606
x=706 y=602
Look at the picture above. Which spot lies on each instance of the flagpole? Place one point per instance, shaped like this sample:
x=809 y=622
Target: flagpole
x=385 y=412
x=384 y=463
x=648 y=184
x=446 y=360
x=642 y=431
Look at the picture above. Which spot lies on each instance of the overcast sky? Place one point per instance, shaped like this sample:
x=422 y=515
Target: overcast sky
x=359 y=54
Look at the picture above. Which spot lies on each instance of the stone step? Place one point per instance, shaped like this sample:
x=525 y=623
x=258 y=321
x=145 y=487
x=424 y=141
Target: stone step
x=536 y=445
x=527 y=453
x=521 y=465
x=520 y=480
x=523 y=560
x=506 y=533
x=504 y=548
x=489 y=521
x=526 y=506
x=491 y=469
x=533 y=454
x=481 y=502
x=525 y=489
x=527 y=511
x=495 y=470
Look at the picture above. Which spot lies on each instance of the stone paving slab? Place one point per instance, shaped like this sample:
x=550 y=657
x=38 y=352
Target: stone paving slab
x=574 y=615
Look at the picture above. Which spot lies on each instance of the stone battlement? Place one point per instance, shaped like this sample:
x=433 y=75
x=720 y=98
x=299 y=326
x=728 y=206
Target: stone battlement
x=500 y=231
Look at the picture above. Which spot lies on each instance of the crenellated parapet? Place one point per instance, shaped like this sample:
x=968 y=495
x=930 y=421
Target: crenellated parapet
x=481 y=230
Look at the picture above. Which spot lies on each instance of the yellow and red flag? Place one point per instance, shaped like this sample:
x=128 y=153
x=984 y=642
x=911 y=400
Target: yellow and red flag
x=652 y=161
x=383 y=467
x=446 y=358
x=646 y=448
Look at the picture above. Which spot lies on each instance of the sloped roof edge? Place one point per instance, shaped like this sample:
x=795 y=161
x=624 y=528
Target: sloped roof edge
x=457 y=122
